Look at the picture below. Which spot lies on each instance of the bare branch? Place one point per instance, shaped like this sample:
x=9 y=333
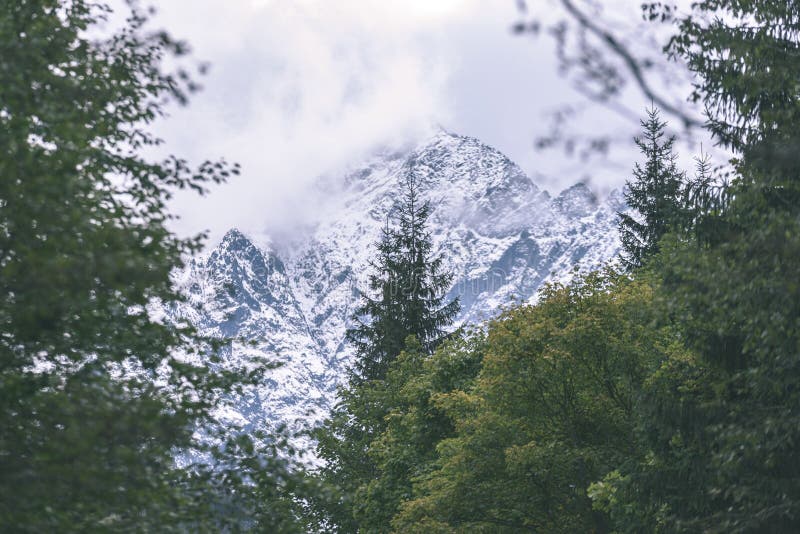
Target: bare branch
x=633 y=65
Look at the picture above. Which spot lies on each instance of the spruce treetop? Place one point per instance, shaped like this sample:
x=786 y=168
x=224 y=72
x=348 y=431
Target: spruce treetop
x=654 y=193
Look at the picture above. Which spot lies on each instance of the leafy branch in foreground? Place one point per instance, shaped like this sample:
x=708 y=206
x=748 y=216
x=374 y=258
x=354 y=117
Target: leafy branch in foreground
x=96 y=392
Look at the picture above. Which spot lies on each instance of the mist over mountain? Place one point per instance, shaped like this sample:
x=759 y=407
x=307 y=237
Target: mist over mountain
x=291 y=297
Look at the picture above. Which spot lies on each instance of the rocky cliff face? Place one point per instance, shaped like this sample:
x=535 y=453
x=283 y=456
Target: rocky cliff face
x=500 y=235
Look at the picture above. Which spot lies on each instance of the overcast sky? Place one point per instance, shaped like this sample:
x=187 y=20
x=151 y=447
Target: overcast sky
x=298 y=88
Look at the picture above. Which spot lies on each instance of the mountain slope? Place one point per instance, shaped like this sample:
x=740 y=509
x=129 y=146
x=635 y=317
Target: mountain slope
x=501 y=236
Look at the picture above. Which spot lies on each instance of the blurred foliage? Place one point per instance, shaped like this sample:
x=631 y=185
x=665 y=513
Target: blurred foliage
x=97 y=394
x=611 y=53
x=722 y=428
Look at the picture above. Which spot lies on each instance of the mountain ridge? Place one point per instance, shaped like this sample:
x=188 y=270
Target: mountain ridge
x=501 y=236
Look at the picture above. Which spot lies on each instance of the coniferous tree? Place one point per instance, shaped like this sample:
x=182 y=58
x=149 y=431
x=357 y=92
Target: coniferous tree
x=424 y=284
x=654 y=193
x=378 y=334
x=705 y=199
x=739 y=292
x=723 y=428
x=408 y=289
x=405 y=301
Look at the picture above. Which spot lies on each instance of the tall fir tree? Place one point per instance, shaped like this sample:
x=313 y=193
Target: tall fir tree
x=424 y=283
x=705 y=199
x=406 y=300
x=654 y=192
x=408 y=288
x=378 y=334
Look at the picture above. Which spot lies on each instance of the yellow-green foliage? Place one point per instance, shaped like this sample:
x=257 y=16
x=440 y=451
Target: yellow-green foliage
x=551 y=411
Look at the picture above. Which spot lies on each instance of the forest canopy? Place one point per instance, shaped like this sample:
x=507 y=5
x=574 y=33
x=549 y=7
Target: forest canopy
x=658 y=399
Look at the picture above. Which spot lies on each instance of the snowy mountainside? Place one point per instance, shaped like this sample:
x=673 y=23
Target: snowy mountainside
x=241 y=292
x=501 y=236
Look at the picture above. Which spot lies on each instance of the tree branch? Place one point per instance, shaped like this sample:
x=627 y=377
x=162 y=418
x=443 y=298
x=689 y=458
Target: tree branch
x=631 y=63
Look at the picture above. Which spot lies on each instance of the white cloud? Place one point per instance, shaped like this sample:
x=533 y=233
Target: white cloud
x=299 y=88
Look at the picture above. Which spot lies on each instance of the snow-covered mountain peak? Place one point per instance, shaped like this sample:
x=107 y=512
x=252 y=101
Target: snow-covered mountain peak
x=236 y=246
x=501 y=236
x=576 y=201
x=474 y=184
x=466 y=181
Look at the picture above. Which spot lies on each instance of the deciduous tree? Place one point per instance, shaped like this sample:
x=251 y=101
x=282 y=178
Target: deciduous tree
x=97 y=392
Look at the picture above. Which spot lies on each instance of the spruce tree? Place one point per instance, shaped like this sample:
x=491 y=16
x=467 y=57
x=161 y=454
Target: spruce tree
x=405 y=300
x=705 y=199
x=408 y=289
x=378 y=334
x=654 y=193
x=723 y=428
x=424 y=283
